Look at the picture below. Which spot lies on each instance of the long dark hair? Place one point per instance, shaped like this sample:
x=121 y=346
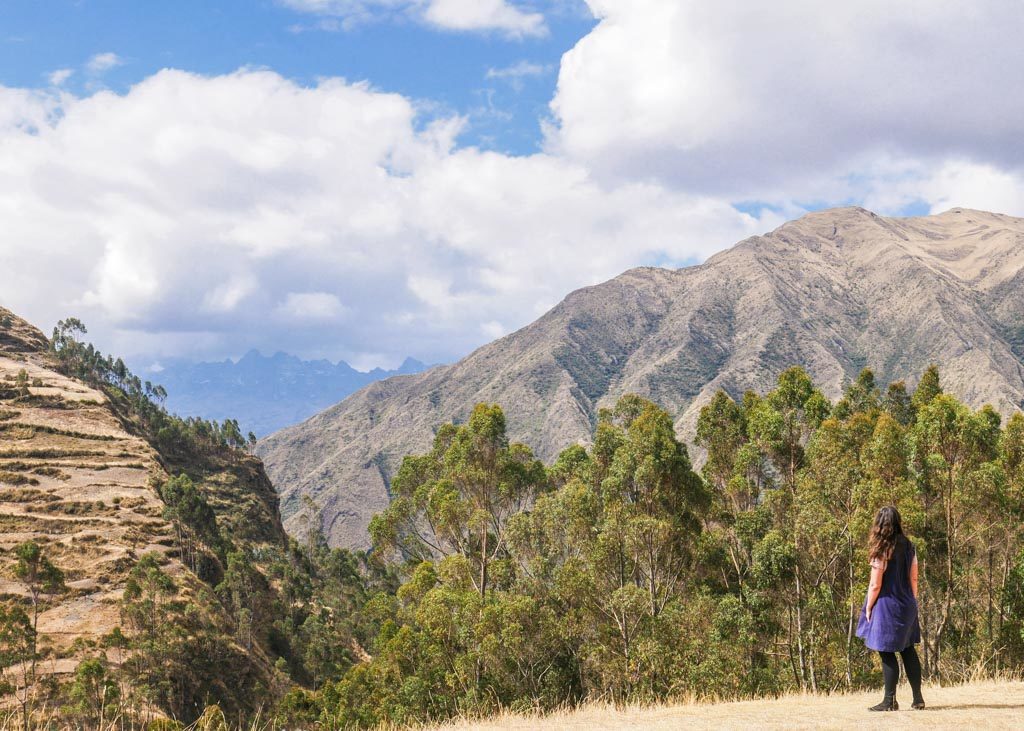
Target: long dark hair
x=885 y=532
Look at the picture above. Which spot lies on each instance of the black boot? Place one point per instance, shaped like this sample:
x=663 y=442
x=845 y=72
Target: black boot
x=887 y=704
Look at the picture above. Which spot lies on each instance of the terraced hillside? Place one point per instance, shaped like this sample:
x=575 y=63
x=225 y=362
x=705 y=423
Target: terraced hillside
x=77 y=478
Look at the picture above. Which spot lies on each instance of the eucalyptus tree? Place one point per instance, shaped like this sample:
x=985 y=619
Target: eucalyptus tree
x=952 y=447
x=458 y=498
x=780 y=425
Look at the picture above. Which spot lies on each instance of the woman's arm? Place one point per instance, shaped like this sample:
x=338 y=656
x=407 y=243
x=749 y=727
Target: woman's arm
x=913 y=575
x=877 y=570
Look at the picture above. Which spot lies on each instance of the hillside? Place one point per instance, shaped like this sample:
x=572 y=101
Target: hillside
x=79 y=479
x=264 y=393
x=834 y=291
x=988 y=705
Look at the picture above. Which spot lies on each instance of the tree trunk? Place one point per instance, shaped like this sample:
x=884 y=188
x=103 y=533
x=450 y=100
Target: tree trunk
x=483 y=563
x=851 y=619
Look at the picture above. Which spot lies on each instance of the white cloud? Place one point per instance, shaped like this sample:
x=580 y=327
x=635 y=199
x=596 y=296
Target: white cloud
x=455 y=15
x=493 y=330
x=789 y=97
x=206 y=215
x=473 y=15
x=203 y=216
x=311 y=306
x=519 y=70
x=950 y=184
x=103 y=62
x=58 y=77
x=229 y=295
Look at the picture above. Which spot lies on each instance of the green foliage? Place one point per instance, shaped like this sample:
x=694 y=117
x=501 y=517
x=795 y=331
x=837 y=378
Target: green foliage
x=928 y=388
x=457 y=499
x=141 y=401
x=587 y=565
x=21 y=382
x=17 y=640
x=619 y=573
x=94 y=694
x=616 y=573
x=177 y=655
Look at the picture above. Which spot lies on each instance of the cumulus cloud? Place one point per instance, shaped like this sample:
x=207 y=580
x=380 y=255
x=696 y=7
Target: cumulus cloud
x=202 y=216
x=206 y=215
x=103 y=62
x=484 y=15
x=299 y=306
x=455 y=15
x=58 y=77
x=789 y=98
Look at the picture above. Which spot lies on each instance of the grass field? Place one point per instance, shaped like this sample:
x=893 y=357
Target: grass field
x=977 y=706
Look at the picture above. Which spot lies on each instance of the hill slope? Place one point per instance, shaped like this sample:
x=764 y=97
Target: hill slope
x=834 y=291
x=77 y=478
x=988 y=705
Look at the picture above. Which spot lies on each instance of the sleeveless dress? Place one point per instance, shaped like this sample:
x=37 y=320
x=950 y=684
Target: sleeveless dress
x=894 y=625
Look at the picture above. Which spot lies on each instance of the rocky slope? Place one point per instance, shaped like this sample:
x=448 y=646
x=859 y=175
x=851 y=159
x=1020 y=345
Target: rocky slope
x=834 y=291
x=79 y=480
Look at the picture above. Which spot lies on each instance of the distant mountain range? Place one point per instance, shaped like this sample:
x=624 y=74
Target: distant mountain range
x=835 y=291
x=264 y=393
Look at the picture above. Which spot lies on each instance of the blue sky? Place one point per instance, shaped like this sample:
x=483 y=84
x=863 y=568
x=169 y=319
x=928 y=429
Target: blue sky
x=376 y=179
x=447 y=71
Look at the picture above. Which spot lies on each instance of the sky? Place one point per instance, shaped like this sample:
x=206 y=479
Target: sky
x=374 y=179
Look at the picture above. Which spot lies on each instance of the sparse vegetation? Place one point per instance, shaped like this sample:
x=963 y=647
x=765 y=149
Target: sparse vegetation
x=16 y=478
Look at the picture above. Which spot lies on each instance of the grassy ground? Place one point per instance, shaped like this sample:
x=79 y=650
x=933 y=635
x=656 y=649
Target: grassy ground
x=982 y=705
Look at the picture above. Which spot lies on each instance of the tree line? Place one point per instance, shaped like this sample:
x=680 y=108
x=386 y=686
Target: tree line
x=619 y=572
x=141 y=400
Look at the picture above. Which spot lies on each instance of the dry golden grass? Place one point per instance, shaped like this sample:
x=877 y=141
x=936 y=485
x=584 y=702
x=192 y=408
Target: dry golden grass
x=981 y=705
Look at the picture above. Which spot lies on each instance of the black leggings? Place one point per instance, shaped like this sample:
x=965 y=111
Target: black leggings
x=891 y=672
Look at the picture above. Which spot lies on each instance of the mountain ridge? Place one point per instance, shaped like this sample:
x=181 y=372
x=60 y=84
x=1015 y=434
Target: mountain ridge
x=834 y=291
x=264 y=393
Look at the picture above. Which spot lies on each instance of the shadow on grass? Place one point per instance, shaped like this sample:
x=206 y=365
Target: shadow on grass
x=975 y=706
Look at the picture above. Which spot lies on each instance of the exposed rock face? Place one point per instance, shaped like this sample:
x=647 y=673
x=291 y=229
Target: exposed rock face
x=834 y=291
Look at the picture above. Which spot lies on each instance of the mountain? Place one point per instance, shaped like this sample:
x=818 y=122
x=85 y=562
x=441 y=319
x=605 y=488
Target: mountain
x=81 y=478
x=834 y=291
x=264 y=393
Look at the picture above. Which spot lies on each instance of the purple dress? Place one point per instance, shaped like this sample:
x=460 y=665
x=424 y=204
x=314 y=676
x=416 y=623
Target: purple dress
x=893 y=626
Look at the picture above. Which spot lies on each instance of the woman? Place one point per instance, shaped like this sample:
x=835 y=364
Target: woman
x=888 y=623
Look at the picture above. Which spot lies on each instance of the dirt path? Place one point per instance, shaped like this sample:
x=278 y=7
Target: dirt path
x=986 y=705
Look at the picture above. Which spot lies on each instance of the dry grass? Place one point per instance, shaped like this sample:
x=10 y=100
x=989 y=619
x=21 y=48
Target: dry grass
x=50 y=460
x=981 y=705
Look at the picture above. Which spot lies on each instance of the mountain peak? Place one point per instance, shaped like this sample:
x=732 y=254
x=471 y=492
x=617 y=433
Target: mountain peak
x=18 y=336
x=835 y=291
